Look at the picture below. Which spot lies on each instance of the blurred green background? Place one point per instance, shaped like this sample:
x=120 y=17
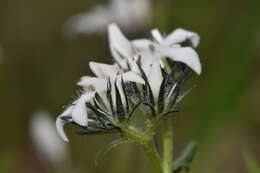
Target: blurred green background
x=41 y=67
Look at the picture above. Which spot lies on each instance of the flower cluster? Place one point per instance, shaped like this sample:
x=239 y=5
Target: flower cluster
x=146 y=79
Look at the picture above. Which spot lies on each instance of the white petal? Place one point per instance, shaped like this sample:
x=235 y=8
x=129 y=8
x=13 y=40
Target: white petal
x=146 y=62
x=180 y=35
x=145 y=58
x=157 y=35
x=103 y=70
x=79 y=114
x=147 y=68
x=142 y=44
x=60 y=128
x=120 y=46
x=133 y=64
x=92 y=83
x=186 y=55
x=148 y=57
x=132 y=77
x=127 y=77
x=155 y=79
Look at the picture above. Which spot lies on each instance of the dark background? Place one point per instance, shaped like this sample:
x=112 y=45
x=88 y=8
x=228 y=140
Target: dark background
x=41 y=67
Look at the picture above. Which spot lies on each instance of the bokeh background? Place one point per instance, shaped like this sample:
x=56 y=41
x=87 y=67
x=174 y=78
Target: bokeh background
x=41 y=67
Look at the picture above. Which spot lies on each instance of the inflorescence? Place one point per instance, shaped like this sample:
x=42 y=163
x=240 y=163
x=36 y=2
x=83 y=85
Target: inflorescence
x=142 y=87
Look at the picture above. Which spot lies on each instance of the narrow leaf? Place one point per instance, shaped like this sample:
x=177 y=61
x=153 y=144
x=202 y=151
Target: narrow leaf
x=108 y=147
x=185 y=159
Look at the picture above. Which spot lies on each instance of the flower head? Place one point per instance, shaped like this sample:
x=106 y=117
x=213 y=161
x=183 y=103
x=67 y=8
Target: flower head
x=146 y=78
x=160 y=48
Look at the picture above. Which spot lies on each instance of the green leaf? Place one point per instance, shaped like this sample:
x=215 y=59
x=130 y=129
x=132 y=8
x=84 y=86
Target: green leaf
x=251 y=163
x=108 y=147
x=185 y=159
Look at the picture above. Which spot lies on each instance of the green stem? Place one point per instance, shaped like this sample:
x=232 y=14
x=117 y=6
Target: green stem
x=153 y=156
x=167 y=146
x=146 y=139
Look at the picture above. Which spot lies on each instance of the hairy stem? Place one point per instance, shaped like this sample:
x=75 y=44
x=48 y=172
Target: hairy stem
x=153 y=156
x=145 y=138
x=167 y=146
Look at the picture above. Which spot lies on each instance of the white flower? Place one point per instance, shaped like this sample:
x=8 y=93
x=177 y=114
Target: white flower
x=168 y=47
x=176 y=37
x=152 y=52
x=129 y=14
x=77 y=112
x=155 y=79
x=105 y=72
x=147 y=74
x=121 y=48
x=45 y=139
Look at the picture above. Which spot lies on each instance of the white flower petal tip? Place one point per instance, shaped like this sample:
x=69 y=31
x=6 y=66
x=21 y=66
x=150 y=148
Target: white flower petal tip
x=155 y=79
x=194 y=62
x=133 y=65
x=142 y=44
x=132 y=77
x=103 y=70
x=180 y=35
x=157 y=35
x=79 y=114
x=199 y=70
x=60 y=129
x=186 y=55
x=92 y=83
x=112 y=26
x=120 y=46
